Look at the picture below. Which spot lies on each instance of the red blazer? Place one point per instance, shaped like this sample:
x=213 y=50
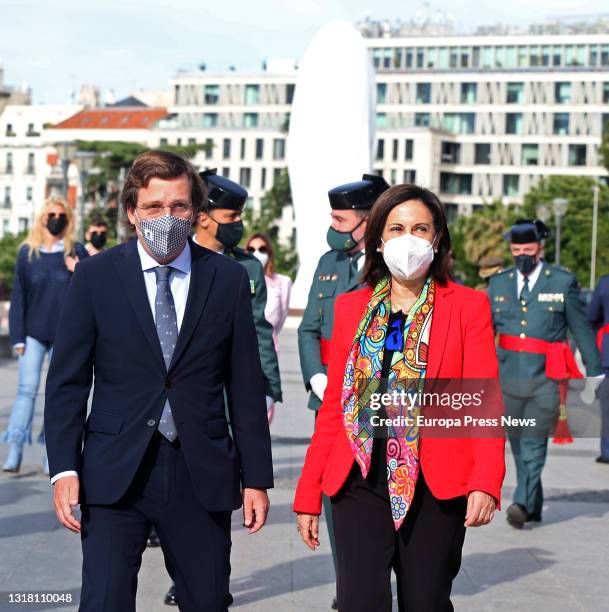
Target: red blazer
x=461 y=345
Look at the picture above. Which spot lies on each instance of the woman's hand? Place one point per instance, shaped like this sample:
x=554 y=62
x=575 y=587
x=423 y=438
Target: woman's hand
x=308 y=527
x=71 y=262
x=480 y=509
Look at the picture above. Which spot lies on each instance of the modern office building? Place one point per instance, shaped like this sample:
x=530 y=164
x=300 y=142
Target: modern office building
x=475 y=117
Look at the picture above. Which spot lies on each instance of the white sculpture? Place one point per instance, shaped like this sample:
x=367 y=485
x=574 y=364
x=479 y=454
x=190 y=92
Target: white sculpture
x=331 y=136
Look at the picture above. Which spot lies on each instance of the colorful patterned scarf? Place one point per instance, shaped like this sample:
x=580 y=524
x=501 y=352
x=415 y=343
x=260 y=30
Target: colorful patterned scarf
x=407 y=373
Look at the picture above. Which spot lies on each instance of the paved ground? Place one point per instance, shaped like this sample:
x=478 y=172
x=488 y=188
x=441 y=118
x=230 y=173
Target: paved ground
x=561 y=565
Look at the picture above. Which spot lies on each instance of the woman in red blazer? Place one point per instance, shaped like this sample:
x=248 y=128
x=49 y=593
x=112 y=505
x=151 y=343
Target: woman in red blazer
x=401 y=500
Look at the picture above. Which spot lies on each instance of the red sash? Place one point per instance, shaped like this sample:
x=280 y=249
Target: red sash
x=599 y=336
x=560 y=362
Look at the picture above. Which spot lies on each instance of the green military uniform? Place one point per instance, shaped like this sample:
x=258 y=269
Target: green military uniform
x=547 y=312
x=336 y=273
x=264 y=330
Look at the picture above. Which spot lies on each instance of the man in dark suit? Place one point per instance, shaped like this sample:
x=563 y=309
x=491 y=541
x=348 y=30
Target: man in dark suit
x=598 y=315
x=166 y=328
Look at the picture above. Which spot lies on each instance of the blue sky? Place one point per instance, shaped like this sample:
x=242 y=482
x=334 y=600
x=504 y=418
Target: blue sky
x=129 y=44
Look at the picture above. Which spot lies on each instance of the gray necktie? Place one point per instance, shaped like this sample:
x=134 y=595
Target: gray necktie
x=167 y=330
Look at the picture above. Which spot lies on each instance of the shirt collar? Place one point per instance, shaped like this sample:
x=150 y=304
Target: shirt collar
x=194 y=239
x=56 y=248
x=533 y=275
x=182 y=262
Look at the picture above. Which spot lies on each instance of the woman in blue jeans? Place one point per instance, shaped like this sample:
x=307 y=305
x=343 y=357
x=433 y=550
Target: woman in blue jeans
x=44 y=267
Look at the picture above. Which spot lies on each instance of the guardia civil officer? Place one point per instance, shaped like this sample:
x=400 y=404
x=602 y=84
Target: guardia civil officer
x=534 y=305
x=219 y=228
x=337 y=272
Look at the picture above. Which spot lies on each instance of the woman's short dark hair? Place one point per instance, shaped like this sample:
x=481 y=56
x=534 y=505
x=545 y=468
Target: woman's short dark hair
x=163 y=165
x=375 y=267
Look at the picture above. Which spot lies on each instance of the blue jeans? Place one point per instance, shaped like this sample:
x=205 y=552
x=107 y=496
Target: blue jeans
x=30 y=368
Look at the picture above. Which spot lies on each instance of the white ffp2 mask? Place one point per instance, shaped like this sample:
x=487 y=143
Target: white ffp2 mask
x=408 y=257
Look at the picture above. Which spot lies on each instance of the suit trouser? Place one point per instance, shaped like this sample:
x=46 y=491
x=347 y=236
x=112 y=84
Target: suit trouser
x=530 y=444
x=425 y=552
x=195 y=542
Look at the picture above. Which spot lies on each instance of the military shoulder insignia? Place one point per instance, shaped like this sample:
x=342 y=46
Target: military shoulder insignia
x=551 y=297
x=252 y=287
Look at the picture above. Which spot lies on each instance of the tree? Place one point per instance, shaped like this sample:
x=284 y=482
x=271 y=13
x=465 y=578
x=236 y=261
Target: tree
x=267 y=221
x=576 y=226
x=480 y=235
x=9 y=247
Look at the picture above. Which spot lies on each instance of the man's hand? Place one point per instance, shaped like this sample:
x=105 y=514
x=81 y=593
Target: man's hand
x=255 y=508
x=318 y=383
x=480 y=509
x=65 y=498
x=308 y=527
x=71 y=262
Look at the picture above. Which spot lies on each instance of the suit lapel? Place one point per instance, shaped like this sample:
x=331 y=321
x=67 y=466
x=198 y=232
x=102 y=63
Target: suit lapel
x=201 y=278
x=439 y=328
x=129 y=268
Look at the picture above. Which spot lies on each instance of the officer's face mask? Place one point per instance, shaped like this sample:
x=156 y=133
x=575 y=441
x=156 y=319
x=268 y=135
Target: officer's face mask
x=342 y=241
x=229 y=234
x=408 y=257
x=525 y=263
x=164 y=236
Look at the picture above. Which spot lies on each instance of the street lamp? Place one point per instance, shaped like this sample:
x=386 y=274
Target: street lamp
x=559 y=208
x=84 y=161
x=66 y=151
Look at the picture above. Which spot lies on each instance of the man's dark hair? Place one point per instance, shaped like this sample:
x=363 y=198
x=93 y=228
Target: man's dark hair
x=375 y=267
x=162 y=165
x=98 y=222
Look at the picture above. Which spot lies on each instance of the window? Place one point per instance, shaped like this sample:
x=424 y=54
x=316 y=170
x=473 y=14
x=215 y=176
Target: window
x=211 y=94
x=499 y=57
x=561 y=123
x=23 y=224
x=250 y=120
x=259 y=148
x=7 y=196
x=278 y=148
x=245 y=177
x=454 y=57
x=557 y=56
x=460 y=123
x=31 y=131
x=423 y=93
x=252 y=94
x=410 y=176
x=487 y=57
x=421 y=119
x=193 y=141
x=380 y=149
x=263 y=178
x=381 y=93
x=289 y=93
x=393 y=177
x=9 y=129
x=482 y=153
x=515 y=93
x=605 y=93
x=593 y=55
x=226 y=148
x=443 y=57
x=242 y=148
x=605 y=55
x=381 y=120
x=163 y=142
x=420 y=58
x=510 y=185
x=513 y=123
x=29 y=194
x=30 y=164
x=209 y=147
x=409 y=149
x=530 y=154
x=6 y=224
x=457 y=184
x=225 y=172
x=210 y=120
x=179 y=142
x=409 y=57
x=577 y=155
x=451 y=152
x=562 y=93
x=469 y=93
x=9 y=163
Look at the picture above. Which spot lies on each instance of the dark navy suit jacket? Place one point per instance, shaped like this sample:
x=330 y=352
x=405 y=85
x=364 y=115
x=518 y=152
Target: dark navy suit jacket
x=598 y=315
x=106 y=331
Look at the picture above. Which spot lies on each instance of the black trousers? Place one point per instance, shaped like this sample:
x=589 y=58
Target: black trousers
x=425 y=553
x=195 y=542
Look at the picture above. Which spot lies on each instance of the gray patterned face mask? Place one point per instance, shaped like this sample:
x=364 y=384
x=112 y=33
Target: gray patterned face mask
x=164 y=236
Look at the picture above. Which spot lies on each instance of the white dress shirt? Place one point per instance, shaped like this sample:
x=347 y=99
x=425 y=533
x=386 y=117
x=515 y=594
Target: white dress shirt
x=533 y=276
x=179 y=283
